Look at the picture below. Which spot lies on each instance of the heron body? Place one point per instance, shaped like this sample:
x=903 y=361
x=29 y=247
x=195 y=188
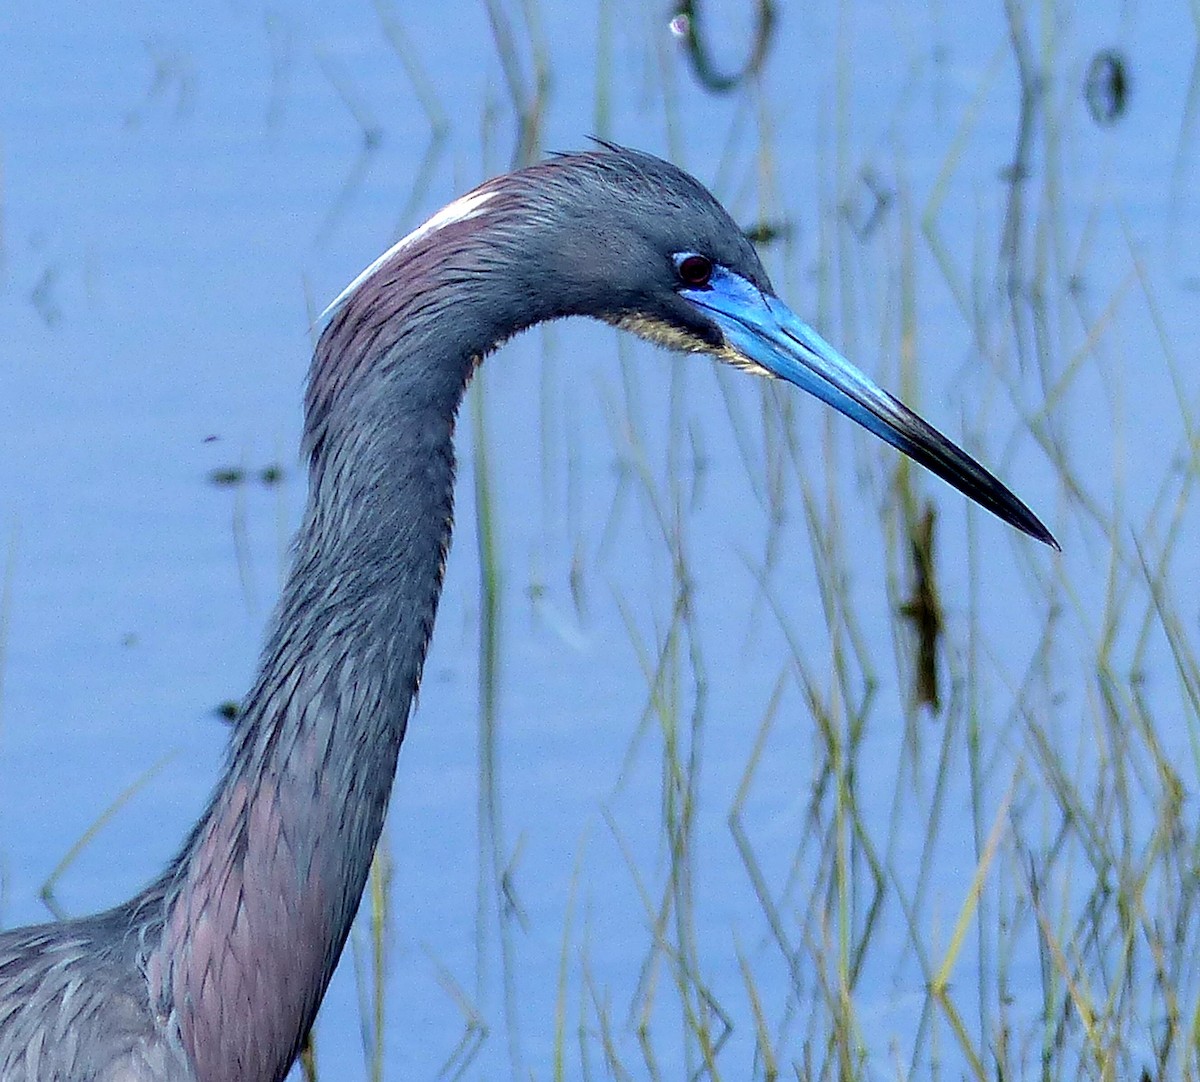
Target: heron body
x=216 y=970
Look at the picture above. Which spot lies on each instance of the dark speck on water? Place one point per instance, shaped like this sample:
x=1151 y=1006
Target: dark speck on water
x=227 y=476
x=1106 y=87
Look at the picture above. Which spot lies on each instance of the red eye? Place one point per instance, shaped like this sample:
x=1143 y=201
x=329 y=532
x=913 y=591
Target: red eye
x=695 y=270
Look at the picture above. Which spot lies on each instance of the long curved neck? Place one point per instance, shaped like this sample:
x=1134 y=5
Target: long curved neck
x=258 y=905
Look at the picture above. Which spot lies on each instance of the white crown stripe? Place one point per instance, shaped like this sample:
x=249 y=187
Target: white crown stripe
x=461 y=210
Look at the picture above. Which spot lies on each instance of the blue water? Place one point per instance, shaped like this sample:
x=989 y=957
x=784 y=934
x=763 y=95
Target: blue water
x=182 y=190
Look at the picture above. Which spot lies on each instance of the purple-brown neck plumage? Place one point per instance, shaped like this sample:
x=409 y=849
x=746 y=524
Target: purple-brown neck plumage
x=259 y=903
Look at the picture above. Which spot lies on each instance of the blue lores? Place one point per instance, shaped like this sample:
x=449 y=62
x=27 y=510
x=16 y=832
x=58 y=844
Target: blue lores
x=770 y=336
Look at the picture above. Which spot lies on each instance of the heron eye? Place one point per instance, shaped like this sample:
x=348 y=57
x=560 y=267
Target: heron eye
x=694 y=270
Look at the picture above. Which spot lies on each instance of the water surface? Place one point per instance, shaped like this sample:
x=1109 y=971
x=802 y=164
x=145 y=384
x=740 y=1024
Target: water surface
x=181 y=193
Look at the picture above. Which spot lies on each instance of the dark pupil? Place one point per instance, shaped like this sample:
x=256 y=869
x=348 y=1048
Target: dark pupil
x=695 y=270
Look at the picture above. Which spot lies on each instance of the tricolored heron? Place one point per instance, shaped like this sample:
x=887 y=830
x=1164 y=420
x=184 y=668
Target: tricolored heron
x=215 y=971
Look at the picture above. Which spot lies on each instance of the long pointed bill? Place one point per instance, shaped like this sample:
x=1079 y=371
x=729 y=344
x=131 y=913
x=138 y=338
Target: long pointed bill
x=766 y=334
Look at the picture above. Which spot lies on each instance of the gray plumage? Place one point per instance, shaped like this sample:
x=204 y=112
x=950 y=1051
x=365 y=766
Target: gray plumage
x=215 y=971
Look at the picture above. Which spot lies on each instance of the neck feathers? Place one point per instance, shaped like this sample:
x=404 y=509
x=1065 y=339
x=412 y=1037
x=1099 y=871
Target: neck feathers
x=260 y=901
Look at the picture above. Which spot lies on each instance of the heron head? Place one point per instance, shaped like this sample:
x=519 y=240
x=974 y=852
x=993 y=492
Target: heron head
x=647 y=247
